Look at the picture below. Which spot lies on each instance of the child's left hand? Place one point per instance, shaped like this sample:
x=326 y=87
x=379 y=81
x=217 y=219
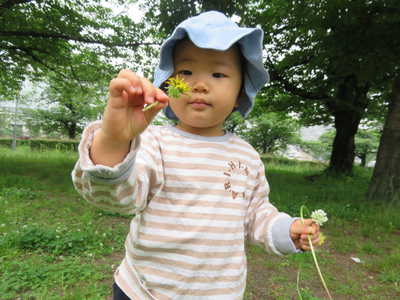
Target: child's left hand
x=299 y=232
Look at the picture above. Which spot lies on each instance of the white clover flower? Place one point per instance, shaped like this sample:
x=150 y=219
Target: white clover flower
x=319 y=216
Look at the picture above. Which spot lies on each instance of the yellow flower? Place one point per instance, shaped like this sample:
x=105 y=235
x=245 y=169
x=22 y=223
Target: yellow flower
x=177 y=86
x=322 y=238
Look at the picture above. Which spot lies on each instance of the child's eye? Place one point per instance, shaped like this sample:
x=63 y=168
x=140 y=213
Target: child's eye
x=185 y=72
x=218 y=75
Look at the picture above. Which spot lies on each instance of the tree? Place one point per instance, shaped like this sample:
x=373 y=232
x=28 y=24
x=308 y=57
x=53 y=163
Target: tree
x=5 y=129
x=165 y=15
x=313 y=57
x=37 y=37
x=66 y=119
x=329 y=56
x=69 y=105
x=269 y=132
x=234 y=122
x=366 y=142
x=385 y=183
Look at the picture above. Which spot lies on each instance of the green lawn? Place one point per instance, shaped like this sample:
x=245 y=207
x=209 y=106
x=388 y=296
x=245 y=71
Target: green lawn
x=55 y=246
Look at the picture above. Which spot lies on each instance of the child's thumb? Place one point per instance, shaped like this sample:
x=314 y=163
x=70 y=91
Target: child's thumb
x=154 y=110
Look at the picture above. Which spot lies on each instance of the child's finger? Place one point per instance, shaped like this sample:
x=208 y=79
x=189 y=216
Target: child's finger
x=315 y=241
x=149 y=91
x=302 y=227
x=161 y=96
x=161 y=102
x=305 y=243
x=304 y=237
x=133 y=78
x=310 y=227
x=118 y=85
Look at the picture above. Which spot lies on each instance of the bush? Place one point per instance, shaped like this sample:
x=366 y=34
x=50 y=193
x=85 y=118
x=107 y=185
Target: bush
x=43 y=144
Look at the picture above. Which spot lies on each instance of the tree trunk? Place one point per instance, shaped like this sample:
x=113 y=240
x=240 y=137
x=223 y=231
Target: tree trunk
x=363 y=158
x=342 y=156
x=385 y=183
x=348 y=109
x=72 y=130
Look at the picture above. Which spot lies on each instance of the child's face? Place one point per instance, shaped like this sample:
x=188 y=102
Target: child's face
x=215 y=78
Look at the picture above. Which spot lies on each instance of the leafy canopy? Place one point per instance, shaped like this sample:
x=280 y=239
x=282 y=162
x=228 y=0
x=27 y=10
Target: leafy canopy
x=38 y=36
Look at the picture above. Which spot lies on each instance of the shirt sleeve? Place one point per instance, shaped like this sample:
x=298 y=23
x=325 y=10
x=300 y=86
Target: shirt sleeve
x=265 y=225
x=125 y=188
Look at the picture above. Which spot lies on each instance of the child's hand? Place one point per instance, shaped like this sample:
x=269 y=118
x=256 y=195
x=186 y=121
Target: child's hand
x=123 y=116
x=299 y=232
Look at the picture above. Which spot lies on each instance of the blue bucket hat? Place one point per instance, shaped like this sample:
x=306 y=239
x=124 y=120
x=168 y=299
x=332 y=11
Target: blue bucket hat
x=213 y=30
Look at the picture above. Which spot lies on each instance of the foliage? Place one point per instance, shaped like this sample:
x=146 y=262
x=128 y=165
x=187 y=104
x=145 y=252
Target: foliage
x=38 y=37
x=310 y=50
x=316 y=148
x=5 y=130
x=266 y=131
x=234 y=123
x=66 y=106
x=165 y=15
x=319 y=53
x=67 y=115
x=367 y=142
x=269 y=132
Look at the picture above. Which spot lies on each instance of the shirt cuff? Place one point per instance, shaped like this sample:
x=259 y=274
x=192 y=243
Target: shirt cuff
x=100 y=173
x=280 y=235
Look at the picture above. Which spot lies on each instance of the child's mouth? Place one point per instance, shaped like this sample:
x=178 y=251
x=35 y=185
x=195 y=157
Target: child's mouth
x=199 y=104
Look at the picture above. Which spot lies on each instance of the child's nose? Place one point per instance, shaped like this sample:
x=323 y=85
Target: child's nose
x=200 y=86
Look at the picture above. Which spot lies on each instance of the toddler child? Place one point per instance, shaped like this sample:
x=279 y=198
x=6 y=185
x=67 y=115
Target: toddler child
x=197 y=192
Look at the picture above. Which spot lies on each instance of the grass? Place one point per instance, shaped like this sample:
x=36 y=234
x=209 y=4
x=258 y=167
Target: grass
x=53 y=245
x=368 y=231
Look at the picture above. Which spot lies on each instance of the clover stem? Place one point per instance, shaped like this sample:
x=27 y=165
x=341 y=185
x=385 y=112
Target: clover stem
x=298 y=285
x=314 y=256
x=318 y=269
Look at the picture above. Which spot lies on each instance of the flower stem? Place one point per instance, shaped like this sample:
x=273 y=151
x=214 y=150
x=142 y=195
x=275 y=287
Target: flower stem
x=315 y=257
x=150 y=106
x=298 y=285
x=318 y=269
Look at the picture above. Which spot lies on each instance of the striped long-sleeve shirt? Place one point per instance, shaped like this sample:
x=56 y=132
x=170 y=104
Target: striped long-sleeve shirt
x=195 y=201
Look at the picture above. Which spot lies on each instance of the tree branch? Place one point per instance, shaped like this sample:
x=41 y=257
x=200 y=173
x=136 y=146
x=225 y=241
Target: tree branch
x=35 y=58
x=76 y=78
x=25 y=49
x=289 y=87
x=10 y=3
x=46 y=35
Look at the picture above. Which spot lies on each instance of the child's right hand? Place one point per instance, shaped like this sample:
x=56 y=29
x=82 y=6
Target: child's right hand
x=124 y=118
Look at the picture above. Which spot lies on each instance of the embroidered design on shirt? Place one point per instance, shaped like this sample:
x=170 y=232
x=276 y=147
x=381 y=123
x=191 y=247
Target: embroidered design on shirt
x=236 y=175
